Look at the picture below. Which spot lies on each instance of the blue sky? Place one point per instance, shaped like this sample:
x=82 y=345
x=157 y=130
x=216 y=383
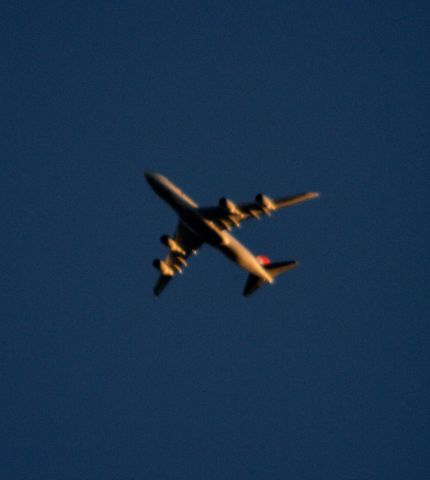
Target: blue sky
x=325 y=375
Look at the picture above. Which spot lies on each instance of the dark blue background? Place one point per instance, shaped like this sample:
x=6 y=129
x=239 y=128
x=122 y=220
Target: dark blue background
x=324 y=375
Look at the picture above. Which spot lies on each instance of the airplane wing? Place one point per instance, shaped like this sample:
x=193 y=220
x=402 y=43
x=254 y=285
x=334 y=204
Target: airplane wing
x=186 y=243
x=228 y=215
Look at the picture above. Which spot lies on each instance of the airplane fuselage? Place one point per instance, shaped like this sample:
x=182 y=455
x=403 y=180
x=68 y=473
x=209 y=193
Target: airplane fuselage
x=204 y=228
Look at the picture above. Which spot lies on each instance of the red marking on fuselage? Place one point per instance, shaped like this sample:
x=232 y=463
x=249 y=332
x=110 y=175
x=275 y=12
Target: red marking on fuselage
x=263 y=260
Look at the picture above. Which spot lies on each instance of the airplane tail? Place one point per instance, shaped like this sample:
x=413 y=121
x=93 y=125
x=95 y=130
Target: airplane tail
x=253 y=282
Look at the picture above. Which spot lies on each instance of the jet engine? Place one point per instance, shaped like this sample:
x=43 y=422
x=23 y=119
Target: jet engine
x=229 y=206
x=265 y=202
x=172 y=244
x=162 y=266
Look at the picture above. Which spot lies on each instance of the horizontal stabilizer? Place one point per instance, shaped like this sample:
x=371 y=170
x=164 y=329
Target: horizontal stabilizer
x=253 y=282
x=278 y=268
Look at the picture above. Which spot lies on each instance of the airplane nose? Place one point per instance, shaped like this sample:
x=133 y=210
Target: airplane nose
x=155 y=180
x=151 y=177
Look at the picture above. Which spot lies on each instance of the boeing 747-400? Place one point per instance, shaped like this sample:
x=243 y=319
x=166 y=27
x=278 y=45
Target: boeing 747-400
x=212 y=225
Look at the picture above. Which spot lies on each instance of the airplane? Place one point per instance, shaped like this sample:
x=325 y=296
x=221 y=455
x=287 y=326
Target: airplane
x=211 y=225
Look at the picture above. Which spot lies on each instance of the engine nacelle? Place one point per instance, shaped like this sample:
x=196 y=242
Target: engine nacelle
x=229 y=206
x=172 y=244
x=162 y=266
x=265 y=202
